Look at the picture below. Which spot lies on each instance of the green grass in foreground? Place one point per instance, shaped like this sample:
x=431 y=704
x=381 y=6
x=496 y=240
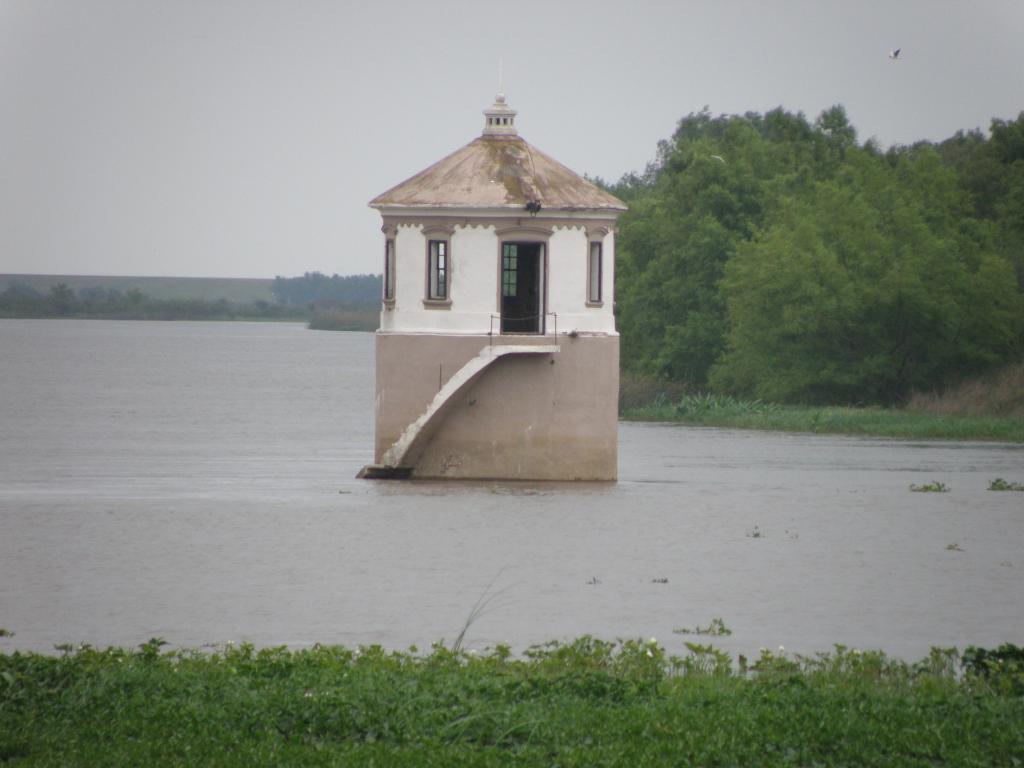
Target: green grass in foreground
x=723 y=411
x=586 y=703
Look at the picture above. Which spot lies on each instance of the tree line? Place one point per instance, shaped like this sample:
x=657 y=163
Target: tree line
x=315 y=288
x=768 y=256
x=313 y=296
x=22 y=300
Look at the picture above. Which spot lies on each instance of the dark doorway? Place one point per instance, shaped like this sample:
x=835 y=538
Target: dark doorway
x=521 y=304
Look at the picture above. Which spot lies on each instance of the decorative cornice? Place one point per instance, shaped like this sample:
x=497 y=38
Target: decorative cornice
x=530 y=231
x=438 y=228
x=500 y=224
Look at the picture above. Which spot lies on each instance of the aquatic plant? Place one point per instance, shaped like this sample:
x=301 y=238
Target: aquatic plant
x=582 y=702
x=715 y=628
x=703 y=660
x=935 y=487
x=1002 y=485
x=707 y=403
x=1002 y=668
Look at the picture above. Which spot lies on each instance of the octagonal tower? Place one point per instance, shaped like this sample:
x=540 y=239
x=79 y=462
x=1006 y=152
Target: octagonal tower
x=497 y=354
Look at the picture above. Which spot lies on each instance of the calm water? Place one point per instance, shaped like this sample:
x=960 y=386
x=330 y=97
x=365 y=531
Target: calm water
x=196 y=481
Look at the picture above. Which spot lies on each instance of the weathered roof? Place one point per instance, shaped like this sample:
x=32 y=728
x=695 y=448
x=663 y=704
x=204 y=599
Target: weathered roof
x=495 y=171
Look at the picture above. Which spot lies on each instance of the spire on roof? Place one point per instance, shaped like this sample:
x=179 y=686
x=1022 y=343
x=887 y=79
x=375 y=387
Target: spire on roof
x=501 y=118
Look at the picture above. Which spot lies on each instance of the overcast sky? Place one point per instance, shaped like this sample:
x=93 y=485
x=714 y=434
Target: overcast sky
x=243 y=138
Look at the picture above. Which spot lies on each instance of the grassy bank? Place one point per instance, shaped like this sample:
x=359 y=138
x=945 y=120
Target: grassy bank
x=724 y=411
x=586 y=703
x=985 y=407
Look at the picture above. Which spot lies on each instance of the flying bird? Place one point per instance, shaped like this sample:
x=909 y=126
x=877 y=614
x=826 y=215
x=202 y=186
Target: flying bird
x=895 y=54
x=719 y=158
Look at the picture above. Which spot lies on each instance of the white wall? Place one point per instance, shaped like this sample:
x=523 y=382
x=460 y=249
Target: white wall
x=475 y=276
x=473 y=283
x=567 y=282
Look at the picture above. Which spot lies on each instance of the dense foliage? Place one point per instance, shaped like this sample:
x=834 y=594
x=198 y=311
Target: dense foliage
x=585 y=703
x=765 y=256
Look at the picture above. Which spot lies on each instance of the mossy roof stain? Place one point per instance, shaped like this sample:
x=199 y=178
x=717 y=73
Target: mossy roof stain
x=498 y=172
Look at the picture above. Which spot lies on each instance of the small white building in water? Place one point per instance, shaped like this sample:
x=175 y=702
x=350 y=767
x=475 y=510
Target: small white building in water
x=497 y=354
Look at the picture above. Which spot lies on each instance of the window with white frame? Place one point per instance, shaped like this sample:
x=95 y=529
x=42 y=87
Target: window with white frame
x=594 y=274
x=437 y=270
x=389 y=269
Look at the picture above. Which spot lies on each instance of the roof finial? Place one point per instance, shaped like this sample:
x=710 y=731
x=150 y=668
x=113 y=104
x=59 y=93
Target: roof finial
x=501 y=118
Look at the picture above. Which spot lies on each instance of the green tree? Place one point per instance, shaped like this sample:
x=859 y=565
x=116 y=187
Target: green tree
x=704 y=194
x=867 y=289
x=992 y=172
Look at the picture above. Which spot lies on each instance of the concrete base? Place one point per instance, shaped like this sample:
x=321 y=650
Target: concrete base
x=525 y=417
x=378 y=472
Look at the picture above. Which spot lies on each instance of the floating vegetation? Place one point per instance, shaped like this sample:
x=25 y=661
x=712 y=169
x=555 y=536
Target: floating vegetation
x=955 y=548
x=1003 y=485
x=935 y=487
x=662 y=580
x=716 y=628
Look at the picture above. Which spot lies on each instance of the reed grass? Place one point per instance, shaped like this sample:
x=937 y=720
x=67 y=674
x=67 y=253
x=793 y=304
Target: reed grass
x=1000 y=393
x=584 y=703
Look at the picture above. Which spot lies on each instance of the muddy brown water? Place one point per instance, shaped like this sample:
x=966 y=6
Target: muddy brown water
x=195 y=481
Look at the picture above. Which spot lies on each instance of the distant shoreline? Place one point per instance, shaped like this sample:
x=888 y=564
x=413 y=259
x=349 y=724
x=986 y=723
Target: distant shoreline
x=324 y=303
x=211 y=288
x=362 y=322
